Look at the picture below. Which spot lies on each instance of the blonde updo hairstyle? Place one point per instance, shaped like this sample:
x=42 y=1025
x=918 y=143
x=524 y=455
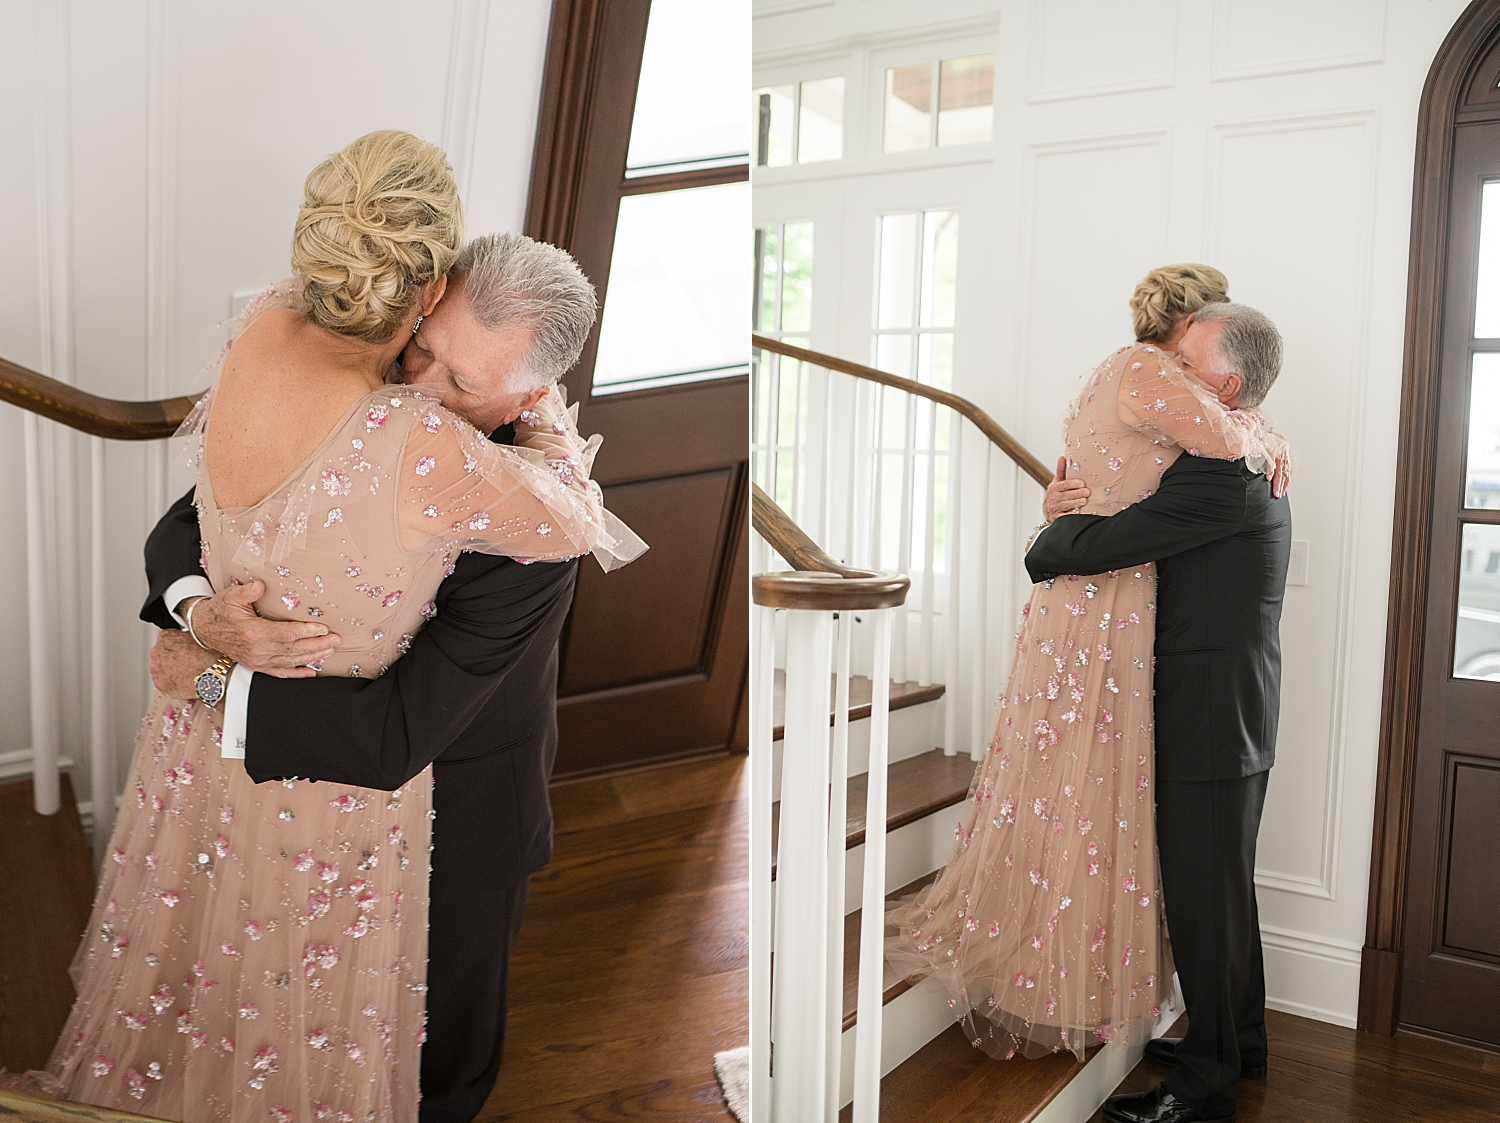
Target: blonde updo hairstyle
x=1169 y=293
x=380 y=221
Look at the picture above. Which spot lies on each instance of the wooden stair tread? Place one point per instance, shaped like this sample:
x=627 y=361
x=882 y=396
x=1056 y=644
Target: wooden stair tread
x=861 y=693
x=950 y=1080
x=915 y=787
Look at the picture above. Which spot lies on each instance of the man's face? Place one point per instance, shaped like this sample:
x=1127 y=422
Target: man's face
x=1198 y=355
x=478 y=371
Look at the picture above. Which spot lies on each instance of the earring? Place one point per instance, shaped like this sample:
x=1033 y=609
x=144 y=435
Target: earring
x=416 y=327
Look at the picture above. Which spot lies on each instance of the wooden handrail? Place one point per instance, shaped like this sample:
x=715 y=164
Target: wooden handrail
x=819 y=582
x=982 y=421
x=33 y=1107
x=78 y=409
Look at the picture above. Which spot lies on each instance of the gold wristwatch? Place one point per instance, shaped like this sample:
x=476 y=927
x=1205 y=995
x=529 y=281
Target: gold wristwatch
x=212 y=683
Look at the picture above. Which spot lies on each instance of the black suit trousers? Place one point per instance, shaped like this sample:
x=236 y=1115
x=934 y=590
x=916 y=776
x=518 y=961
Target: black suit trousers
x=470 y=936
x=1206 y=832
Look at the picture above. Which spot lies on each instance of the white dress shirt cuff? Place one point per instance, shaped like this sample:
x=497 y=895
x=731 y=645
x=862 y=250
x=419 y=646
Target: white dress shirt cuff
x=184 y=587
x=236 y=709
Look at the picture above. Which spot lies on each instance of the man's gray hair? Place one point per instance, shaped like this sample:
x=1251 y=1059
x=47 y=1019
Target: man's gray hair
x=1249 y=345
x=512 y=279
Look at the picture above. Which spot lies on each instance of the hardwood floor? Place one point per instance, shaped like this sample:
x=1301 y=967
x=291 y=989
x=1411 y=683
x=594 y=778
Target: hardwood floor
x=46 y=890
x=1330 y=1074
x=630 y=971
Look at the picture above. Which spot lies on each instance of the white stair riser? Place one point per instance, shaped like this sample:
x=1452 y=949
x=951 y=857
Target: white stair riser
x=910 y=1021
x=914 y=731
x=913 y=850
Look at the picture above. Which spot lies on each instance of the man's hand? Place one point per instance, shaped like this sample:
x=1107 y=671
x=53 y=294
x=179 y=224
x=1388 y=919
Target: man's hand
x=176 y=663
x=227 y=622
x=1064 y=496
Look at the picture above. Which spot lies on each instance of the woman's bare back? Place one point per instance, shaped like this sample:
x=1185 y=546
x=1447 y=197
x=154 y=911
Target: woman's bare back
x=254 y=441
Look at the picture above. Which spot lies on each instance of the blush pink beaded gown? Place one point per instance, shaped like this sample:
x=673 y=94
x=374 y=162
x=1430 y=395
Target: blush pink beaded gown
x=258 y=952
x=1046 y=925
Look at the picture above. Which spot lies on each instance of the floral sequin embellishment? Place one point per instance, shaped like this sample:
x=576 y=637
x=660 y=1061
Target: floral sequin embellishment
x=375 y=418
x=425 y=465
x=335 y=482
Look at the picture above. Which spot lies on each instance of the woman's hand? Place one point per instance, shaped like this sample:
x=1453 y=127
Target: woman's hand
x=1064 y=496
x=1279 y=470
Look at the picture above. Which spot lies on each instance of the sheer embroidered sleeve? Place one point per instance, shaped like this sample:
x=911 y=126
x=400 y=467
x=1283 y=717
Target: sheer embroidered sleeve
x=1157 y=397
x=531 y=501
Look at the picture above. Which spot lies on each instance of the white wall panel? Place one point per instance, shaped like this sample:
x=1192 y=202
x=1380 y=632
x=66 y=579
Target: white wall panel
x=1297 y=246
x=1096 y=222
x=1254 y=38
x=1127 y=47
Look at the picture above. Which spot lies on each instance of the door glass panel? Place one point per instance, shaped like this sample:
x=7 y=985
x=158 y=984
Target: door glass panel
x=1487 y=294
x=1476 y=645
x=1482 y=469
x=966 y=100
x=820 y=124
x=675 y=307
x=898 y=251
x=908 y=107
x=687 y=106
x=939 y=268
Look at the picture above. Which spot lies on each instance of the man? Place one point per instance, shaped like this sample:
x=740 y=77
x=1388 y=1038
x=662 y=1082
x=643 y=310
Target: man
x=1220 y=539
x=476 y=694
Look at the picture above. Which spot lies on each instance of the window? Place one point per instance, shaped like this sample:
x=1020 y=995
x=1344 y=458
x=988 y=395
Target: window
x=800 y=122
x=674 y=304
x=916 y=289
x=783 y=309
x=965 y=103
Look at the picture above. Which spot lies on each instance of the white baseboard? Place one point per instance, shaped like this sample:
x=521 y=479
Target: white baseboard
x=1311 y=975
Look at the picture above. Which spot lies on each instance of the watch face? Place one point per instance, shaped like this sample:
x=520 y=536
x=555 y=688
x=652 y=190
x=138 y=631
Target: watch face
x=210 y=688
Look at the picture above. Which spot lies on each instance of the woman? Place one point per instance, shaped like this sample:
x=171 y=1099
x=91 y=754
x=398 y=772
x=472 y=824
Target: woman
x=1046 y=925
x=259 y=952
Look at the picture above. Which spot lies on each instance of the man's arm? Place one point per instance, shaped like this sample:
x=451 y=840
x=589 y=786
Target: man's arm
x=379 y=733
x=1200 y=500
x=174 y=569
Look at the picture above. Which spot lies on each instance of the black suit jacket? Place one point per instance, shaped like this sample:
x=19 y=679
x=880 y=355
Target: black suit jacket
x=1221 y=543
x=476 y=696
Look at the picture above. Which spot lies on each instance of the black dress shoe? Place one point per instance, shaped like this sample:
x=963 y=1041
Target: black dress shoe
x=1163 y=1050
x=1156 y=1106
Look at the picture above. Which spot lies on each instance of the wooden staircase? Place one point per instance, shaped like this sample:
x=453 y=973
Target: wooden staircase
x=932 y=1072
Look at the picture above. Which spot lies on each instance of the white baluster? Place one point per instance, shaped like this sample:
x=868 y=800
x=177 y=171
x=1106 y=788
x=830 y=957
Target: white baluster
x=838 y=817
x=825 y=484
x=978 y=734
x=797 y=513
x=762 y=721
x=929 y=550
x=872 y=922
x=877 y=479
x=44 y=744
x=951 y=531
x=101 y=754
x=852 y=505
x=903 y=549
x=799 y=1014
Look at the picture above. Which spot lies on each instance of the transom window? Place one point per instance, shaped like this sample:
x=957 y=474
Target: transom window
x=799 y=122
x=965 y=103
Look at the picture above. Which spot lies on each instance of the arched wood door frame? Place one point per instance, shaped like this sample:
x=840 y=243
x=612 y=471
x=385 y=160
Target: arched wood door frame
x=1447 y=102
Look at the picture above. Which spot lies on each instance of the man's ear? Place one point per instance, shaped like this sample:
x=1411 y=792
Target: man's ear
x=526 y=403
x=434 y=294
x=1229 y=389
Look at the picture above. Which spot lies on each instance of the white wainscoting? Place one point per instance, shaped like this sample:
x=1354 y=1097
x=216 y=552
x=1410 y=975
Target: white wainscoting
x=156 y=153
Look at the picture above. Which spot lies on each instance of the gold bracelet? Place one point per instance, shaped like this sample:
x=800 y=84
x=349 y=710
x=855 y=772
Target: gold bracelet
x=1032 y=539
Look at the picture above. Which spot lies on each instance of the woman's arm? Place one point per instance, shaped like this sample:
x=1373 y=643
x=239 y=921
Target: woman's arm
x=532 y=501
x=1156 y=397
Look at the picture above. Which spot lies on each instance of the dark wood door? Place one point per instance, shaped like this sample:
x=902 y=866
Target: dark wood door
x=1451 y=960
x=654 y=656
